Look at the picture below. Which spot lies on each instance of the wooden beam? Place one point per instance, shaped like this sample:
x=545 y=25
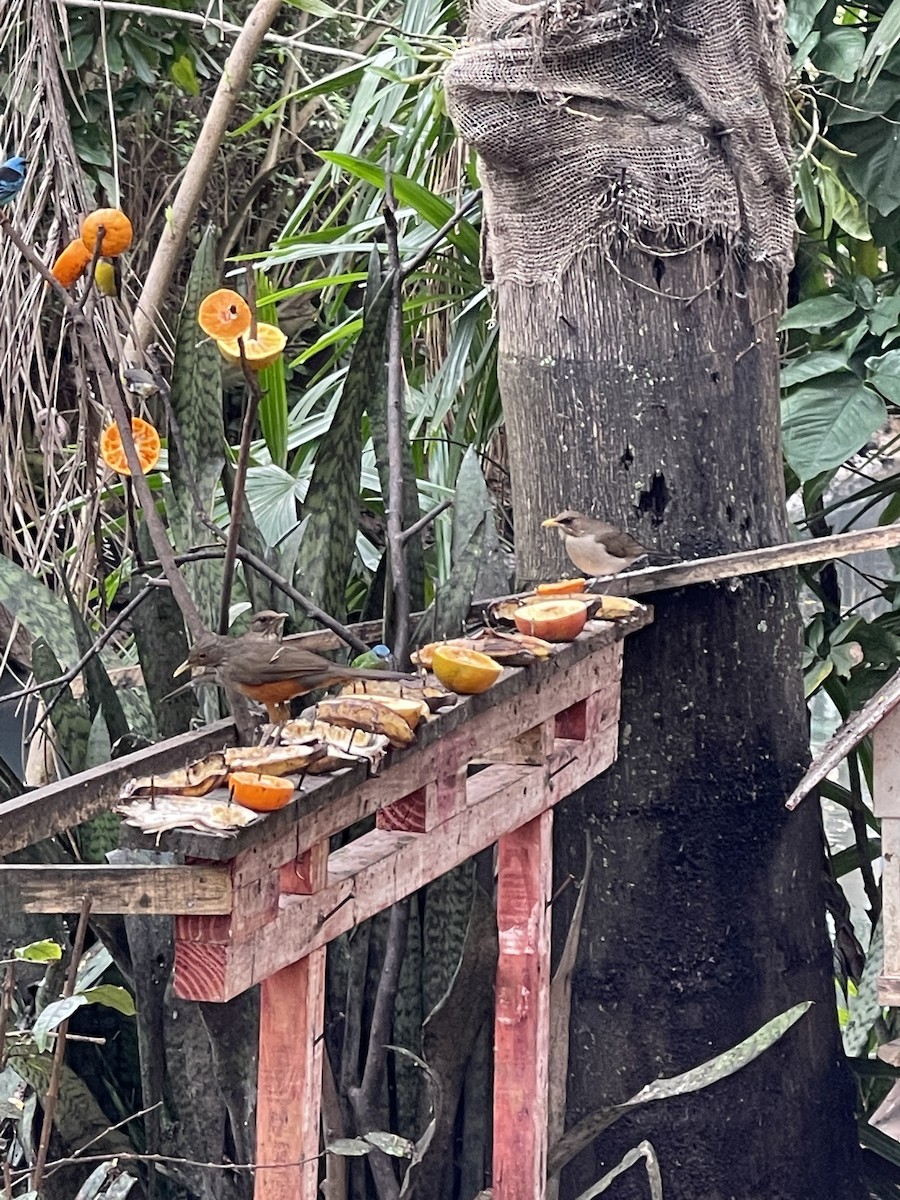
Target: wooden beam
x=49 y=810
x=522 y=1010
x=289 y=1080
x=202 y=890
x=523 y=699
x=390 y=865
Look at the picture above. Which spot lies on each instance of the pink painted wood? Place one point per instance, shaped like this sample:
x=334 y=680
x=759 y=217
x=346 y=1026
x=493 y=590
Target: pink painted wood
x=522 y=1010
x=289 y=1087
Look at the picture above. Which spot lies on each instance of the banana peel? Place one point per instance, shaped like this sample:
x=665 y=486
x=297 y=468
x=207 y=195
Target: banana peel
x=343 y=747
x=434 y=697
x=194 y=780
x=364 y=712
x=613 y=608
x=511 y=649
x=274 y=760
x=411 y=710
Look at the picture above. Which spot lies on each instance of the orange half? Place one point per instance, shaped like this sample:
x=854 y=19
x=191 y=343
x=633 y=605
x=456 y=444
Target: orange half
x=146 y=442
x=263 y=350
x=224 y=314
x=117 y=231
x=262 y=793
x=465 y=671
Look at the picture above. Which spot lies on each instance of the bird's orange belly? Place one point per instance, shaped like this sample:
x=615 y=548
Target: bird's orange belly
x=278 y=692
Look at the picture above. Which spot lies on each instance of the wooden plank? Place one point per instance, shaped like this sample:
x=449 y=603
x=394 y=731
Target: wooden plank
x=890 y=892
x=62 y=805
x=886 y=766
x=289 y=1080
x=116 y=889
x=499 y=798
x=889 y=990
x=522 y=1010
x=328 y=805
x=530 y=748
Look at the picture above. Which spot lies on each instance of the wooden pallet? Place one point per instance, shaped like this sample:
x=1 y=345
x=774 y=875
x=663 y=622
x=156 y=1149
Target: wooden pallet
x=260 y=908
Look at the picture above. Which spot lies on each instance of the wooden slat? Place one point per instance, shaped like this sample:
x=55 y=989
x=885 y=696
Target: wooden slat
x=289 y=1081
x=522 y=1010
x=116 y=889
x=890 y=891
x=889 y=990
x=886 y=766
x=49 y=810
x=327 y=806
x=499 y=798
x=530 y=748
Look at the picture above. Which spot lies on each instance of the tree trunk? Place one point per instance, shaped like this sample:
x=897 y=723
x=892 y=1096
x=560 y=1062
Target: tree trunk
x=638 y=366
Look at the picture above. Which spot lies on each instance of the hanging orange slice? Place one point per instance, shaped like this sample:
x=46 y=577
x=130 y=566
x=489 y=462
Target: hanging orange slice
x=117 y=231
x=146 y=442
x=262 y=793
x=465 y=671
x=261 y=351
x=224 y=314
x=71 y=263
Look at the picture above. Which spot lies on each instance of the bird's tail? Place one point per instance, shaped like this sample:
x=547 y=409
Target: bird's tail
x=376 y=673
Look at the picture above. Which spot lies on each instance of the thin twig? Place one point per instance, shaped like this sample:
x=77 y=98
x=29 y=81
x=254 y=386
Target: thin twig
x=433 y=515
x=60 y=1049
x=205 y=553
x=237 y=492
x=413 y=264
x=111 y=393
x=398 y=593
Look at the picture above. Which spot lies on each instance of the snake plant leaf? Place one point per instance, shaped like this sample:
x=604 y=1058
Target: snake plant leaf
x=69 y=717
x=478 y=565
x=99 y=692
x=42 y=613
x=332 y=499
x=377 y=409
x=197 y=432
x=273 y=408
x=162 y=646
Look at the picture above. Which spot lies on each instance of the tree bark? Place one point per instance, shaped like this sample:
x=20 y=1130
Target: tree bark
x=642 y=386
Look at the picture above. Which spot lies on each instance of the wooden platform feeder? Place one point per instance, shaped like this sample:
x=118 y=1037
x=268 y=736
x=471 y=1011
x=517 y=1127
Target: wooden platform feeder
x=260 y=908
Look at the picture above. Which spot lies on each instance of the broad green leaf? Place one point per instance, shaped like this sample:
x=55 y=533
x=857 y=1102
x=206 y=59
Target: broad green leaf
x=51 y=1017
x=885 y=315
x=183 y=73
x=809 y=193
x=811 y=366
x=111 y=996
x=44 y=951
x=800 y=18
x=818 y=312
x=884 y=374
x=823 y=424
x=839 y=53
x=874 y=168
x=42 y=613
x=273 y=496
x=841 y=205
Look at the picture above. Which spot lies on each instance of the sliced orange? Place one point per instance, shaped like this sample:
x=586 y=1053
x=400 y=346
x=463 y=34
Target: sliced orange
x=465 y=671
x=552 y=620
x=71 y=263
x=224 y=314
x=261 y=351
x=561 y=587
x=117 y=231
x=146 y=442
x=262 y=793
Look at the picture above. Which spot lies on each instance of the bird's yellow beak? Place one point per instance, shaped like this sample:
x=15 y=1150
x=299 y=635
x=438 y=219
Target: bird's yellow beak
x=185 y=666
x=550 y=523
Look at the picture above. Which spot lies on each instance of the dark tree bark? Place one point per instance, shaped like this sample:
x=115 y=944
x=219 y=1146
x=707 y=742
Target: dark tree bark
x=642 y=386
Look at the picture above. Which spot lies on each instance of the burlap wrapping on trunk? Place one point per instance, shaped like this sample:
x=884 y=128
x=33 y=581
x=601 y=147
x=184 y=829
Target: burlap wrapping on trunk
x=608 y=122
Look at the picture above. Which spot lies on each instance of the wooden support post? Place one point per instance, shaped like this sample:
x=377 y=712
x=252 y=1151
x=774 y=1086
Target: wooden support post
x=291 y=1020
x=522 y=1012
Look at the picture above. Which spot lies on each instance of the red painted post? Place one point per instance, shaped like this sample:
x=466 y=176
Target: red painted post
x=291 y=1017
x=522 y=1013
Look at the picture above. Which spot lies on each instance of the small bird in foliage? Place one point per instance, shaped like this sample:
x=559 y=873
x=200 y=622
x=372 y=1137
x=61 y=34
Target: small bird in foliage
x=596 y=547
x=12 y=178
x=379 y=657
